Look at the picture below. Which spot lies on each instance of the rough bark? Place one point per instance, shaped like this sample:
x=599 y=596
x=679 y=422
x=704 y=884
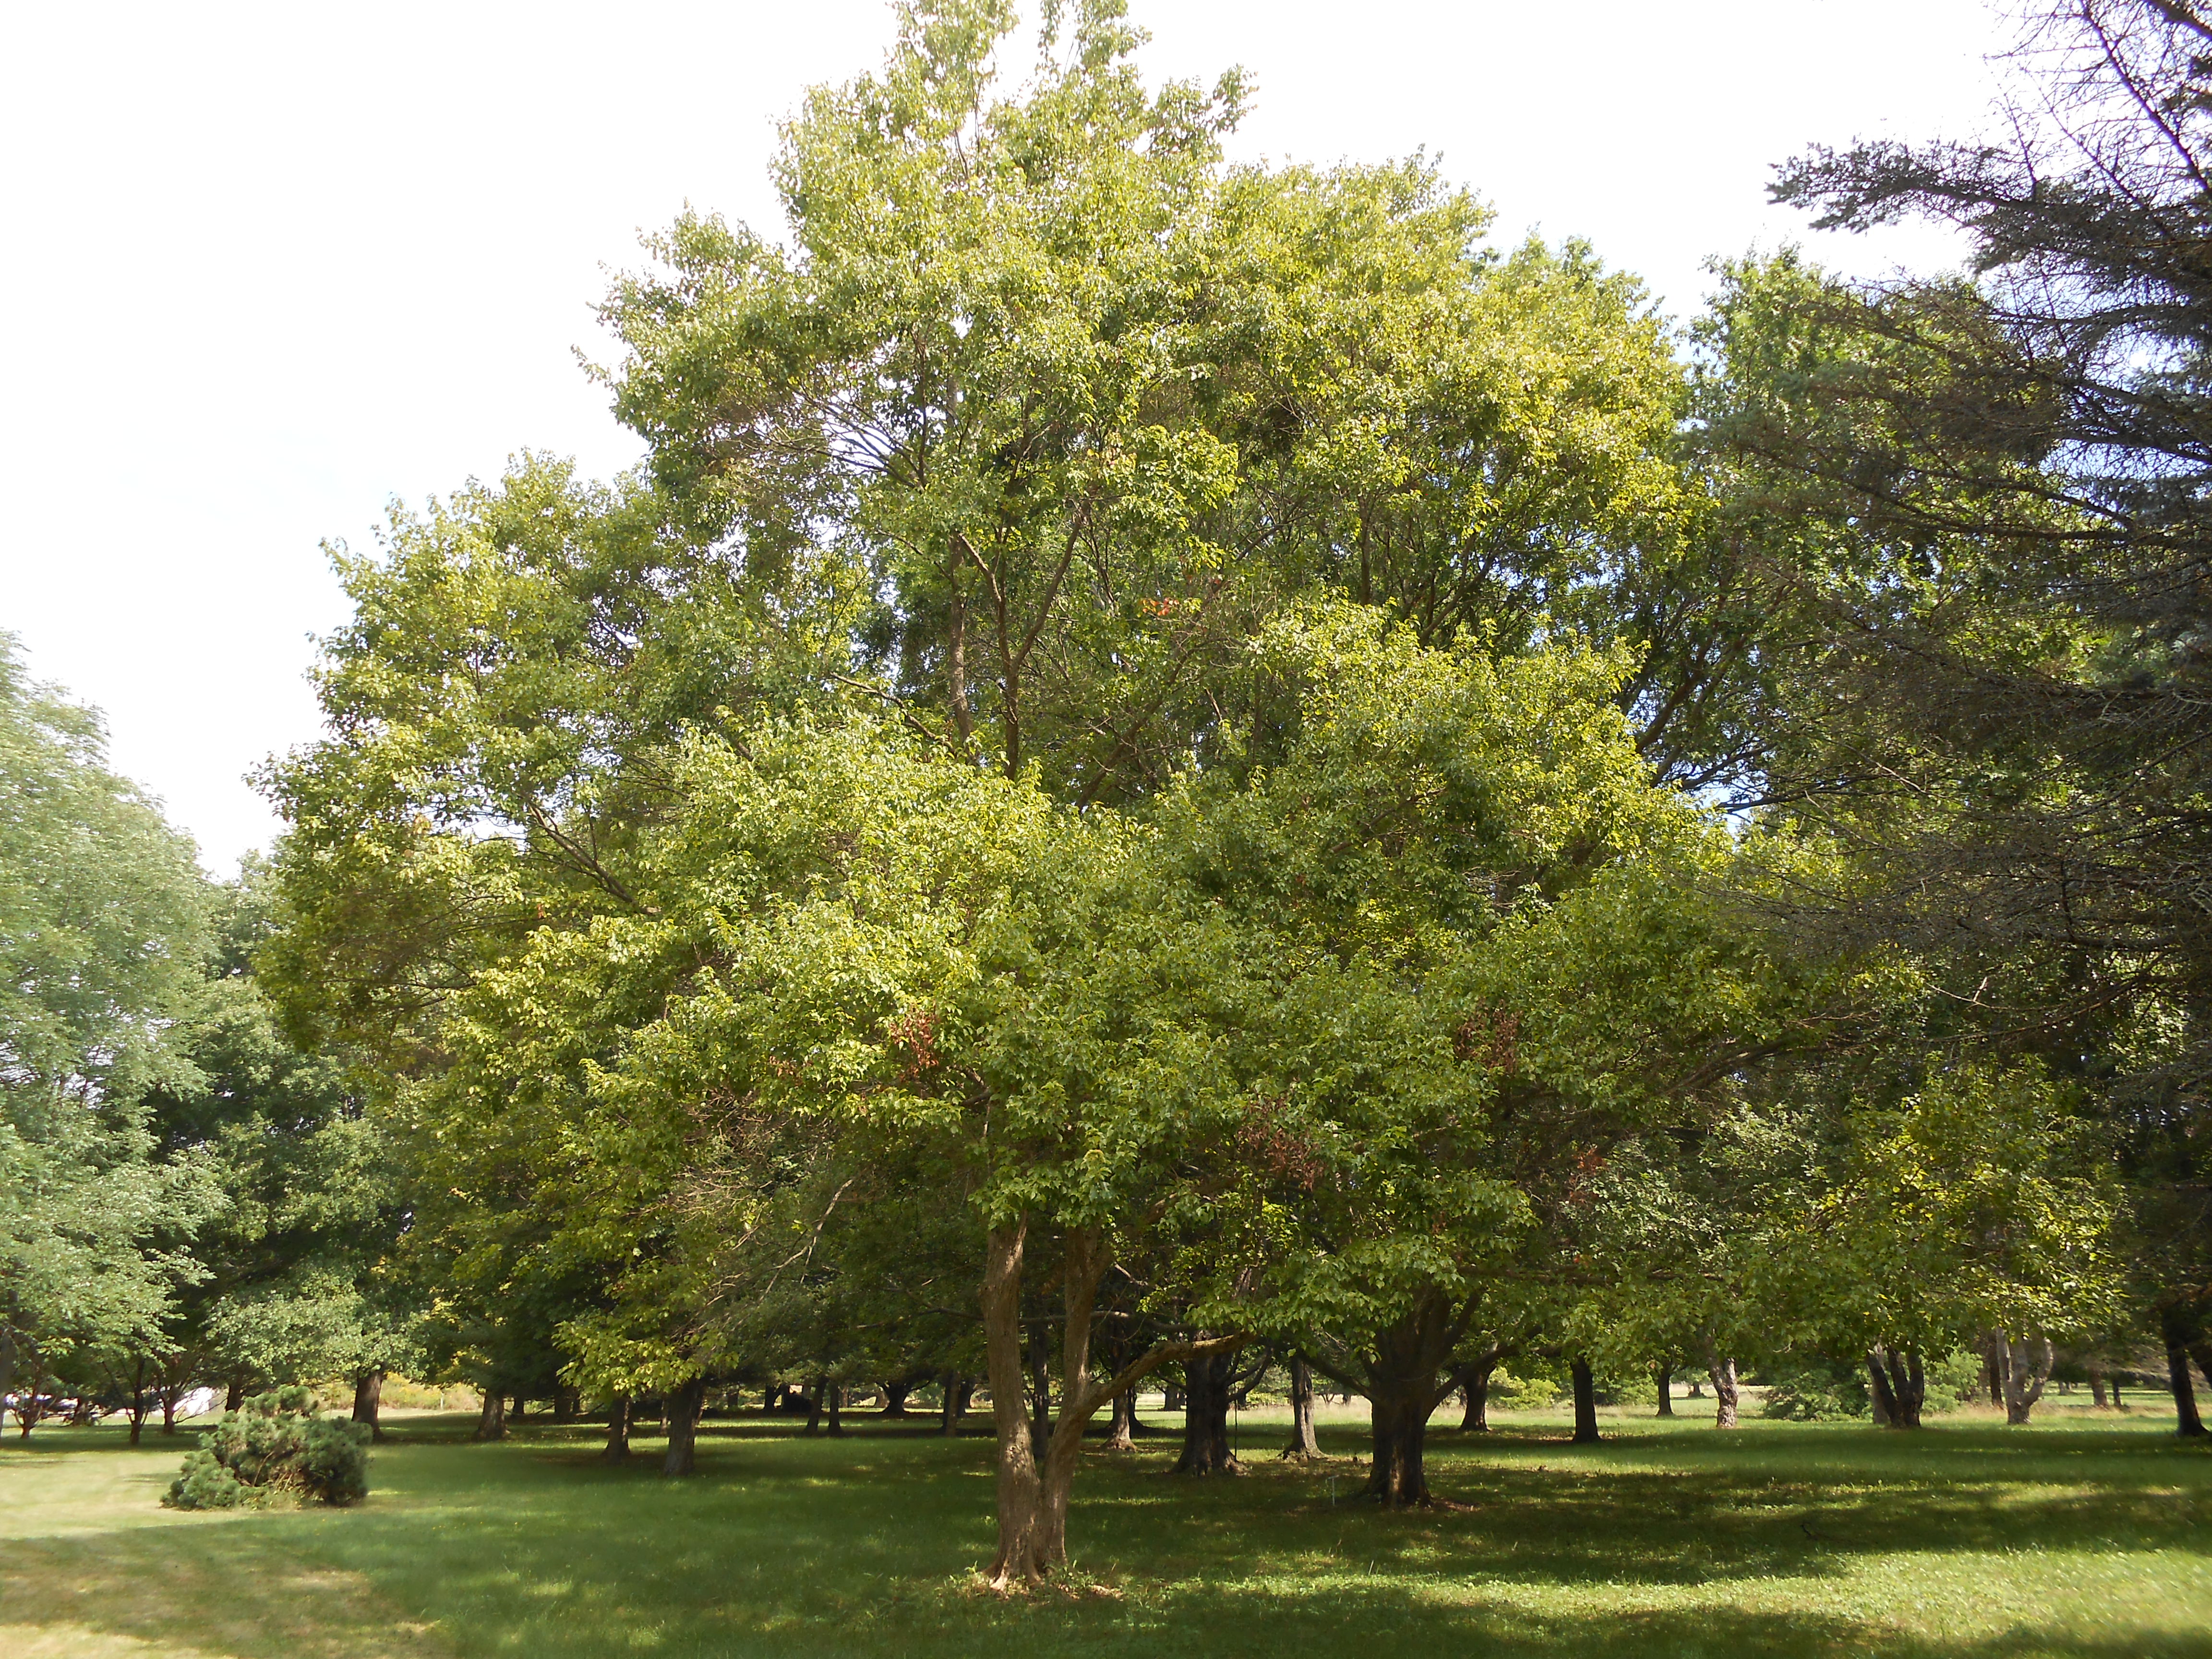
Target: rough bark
x=1402 y=1390
x=1304 y=1446
x=684 y=1427
x=2187 y=1424
x=1666 y=1380
x=616 y=1450
x=368 y=1400
x=1585 y=1402
x=1121 y=1422
x=491 y=1422
x=1205 y=1449
x=1474 y=1383
x=1726 y=1394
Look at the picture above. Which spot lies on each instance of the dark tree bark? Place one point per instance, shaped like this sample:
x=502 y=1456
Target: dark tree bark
x=138 y=1396
x=1897 y=1386
x=837 y=1422
x=234 y=1395
x=172 y=1393
x=1474 y=1383
x=2201 y=1351
x=955 y=1403
x=616 y=1450
x=2187 y=1424
x=1666 y=1390
x=521 y=1411
x=1121 y=1423
x=895 y=1394
x=2097 y=1387
x=1304 y=1446
x=491 y=1424
x=368 y=1400
x=565 y=1404
x=1205 y=1449
x=684 y=1427
x=814 y=1405
x=1585 y=1402
x=1725 y=1392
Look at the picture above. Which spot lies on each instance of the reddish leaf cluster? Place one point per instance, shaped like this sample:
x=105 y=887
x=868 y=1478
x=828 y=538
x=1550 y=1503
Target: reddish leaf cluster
x=914 y=1033
x=1267 y=1145
x=1493 y=1037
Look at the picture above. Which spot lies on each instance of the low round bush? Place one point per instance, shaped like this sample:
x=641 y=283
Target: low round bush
x=274 y=1447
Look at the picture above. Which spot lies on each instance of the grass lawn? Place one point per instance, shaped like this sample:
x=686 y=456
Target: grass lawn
x=2080 y=1536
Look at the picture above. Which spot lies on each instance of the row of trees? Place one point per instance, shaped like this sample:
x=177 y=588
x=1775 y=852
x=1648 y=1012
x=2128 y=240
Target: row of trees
x=1167 y=758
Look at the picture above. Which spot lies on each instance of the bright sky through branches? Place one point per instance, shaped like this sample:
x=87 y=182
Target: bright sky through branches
x=268 y=267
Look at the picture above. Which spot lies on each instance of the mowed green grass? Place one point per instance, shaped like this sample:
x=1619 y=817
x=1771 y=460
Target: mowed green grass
x=2080 y=1536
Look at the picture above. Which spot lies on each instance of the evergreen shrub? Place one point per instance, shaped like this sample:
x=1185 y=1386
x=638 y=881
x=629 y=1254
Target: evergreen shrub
x=276 y=1448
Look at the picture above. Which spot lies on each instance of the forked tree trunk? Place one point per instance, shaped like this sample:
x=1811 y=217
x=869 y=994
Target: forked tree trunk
x=173 y=1394
x=2187 y=1424
x=1304 y=1446
x=1585 y=1387
x=684 y=1427
x=895 y=1394
x=1897 y=1386
x=1402 y=1390
x=1726 y=1394
x=368 y=1400
x=616 y=1450
x=491 y=1425
x=1033 y=1492
x=1206 y=1447
x=1666 y=1380
x=2022 y=1369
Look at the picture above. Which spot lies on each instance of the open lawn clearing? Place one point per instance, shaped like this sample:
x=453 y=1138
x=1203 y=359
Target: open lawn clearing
x=2078 y=1537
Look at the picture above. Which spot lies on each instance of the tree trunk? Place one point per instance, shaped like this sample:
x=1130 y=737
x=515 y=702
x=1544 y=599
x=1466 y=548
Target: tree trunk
x=368 y=1400
x=492 y=1424
x=565 y=1404
x=2023 y=1368
x=2187 y=1424
x=2097 y=1387
x=1898 y=1387
x=2201 y=1351
x=1725 y=1392
x=684 y=1427
x=814 y=1406
x=1475 y=1383
x=1205 y=1449
x=138 y=1397
x=1121 y=1431
x=836 y=1423
x=616 y=1450
x=1666 y=1380
x=1585 y=1402
x=1303 y=1447
x=171 y=1393
x=955 y=1403
x=234 y=1395
x=520 y=1412
x=895 y=1394
x=1024 y=1551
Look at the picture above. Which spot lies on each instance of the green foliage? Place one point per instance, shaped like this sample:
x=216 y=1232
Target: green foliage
x=276 y=1448
x=1810 y=1390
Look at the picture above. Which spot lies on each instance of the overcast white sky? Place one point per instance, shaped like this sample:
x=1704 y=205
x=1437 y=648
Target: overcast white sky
x=264 y=268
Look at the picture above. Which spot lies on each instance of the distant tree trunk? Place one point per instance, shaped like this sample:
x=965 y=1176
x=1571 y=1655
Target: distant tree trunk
x=138 y=1396
x=617 y=1446
x=2201 y=1351
x=2097 y=1387
x=1304 y=1446
x=1725 y=1392
x=520 y=1413
x=492 y=1424
x=1585 y=1402
x=234 y=1395
x=1666 y=1390
x=1898 y=1387
x=368 y=1400
x=895 y=1394
x=173 y=1394
x=684 y=1427
x=1040 y=1384
x=1475 y=1383
x=1993 y=1367
x=2187 y=1423
x=955 y=1403
x=1171 y=1400
x=1205 y=1449
x=565 y=1404
x=814 y=1406
x=836 y=1425
x=2022 y=1369
x=1121 y=1425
